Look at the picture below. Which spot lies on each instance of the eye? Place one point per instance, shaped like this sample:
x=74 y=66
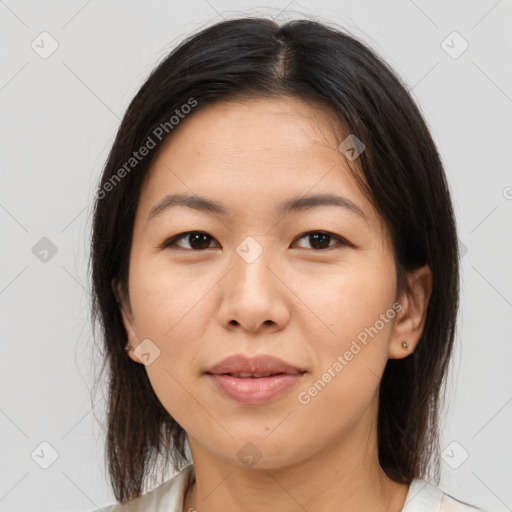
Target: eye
x=320 y=239
x=199 y=240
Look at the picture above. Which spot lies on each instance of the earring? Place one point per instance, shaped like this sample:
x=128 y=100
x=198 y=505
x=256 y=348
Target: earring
x=127 y=347
x=405 y=344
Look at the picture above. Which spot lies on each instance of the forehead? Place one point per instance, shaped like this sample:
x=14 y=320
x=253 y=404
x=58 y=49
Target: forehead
x=253 y=153
x=278 y=127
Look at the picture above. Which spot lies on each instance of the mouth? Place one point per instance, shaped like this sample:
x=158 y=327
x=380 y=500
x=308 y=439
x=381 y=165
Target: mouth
x=253 y=366
x=254 y=388
x=250 y=375
x=254 y=380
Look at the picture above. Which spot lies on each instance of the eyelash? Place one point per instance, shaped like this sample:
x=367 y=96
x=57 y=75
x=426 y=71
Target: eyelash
x=171 y=242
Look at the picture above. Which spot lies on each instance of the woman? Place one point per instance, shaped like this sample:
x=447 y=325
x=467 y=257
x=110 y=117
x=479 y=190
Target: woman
x=275 y=271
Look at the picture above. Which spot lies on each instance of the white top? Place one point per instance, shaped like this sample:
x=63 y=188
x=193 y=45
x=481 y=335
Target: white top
x=169 y=496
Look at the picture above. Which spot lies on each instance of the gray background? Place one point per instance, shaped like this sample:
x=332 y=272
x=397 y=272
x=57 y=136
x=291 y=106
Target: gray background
x=58 y=118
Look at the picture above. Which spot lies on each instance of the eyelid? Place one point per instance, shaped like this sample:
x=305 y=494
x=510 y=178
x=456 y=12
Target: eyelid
x=167 y=243
x=341 y=240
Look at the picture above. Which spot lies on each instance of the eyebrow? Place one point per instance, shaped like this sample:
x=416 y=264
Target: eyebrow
x=294 y=204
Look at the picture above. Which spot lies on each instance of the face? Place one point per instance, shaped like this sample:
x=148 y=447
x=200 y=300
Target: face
x=314 y=285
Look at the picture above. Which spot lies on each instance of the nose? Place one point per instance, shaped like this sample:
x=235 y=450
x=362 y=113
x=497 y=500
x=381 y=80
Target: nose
x=254 y=296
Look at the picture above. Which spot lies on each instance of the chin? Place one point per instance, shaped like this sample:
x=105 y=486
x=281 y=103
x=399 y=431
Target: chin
x=263 y=451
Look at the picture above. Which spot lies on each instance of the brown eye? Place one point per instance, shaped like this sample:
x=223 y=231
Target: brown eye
x=320 y=240
x=197 y=240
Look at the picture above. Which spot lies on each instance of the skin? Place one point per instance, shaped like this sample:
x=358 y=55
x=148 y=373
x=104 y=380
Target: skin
x=296 y=301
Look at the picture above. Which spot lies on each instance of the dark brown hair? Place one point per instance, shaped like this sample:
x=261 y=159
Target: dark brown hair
x=400 y=171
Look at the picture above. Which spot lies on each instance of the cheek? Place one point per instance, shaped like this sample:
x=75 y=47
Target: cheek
x=167 y=310
x=164 y=300
x=350 y=302
x=357 y=307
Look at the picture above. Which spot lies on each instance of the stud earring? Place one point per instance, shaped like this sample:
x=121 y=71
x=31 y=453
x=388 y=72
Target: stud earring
x=405 y=344
x=127 y=346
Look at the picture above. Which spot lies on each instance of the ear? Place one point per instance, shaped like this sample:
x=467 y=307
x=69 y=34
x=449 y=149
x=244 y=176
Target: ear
x=125 y=308
x=412 y=316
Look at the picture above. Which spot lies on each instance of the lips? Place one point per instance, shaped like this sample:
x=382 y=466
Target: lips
x=256 y=380
x=251 y=375
x=253 y=367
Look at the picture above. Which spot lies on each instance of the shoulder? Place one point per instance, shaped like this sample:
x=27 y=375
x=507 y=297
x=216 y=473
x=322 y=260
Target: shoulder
x=425 y=497
x=167 y=496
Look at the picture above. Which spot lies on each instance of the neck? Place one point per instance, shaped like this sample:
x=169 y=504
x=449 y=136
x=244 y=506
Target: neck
x=345 y=474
